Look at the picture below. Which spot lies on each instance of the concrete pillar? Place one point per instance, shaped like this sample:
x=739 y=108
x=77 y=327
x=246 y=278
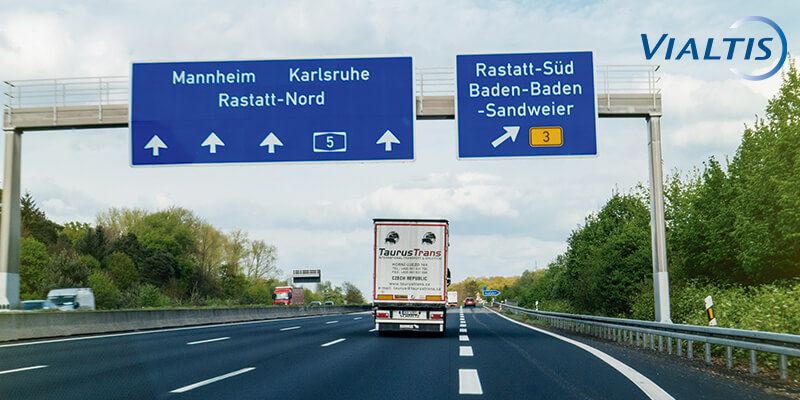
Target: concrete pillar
x=657 y=224
x=10 y=223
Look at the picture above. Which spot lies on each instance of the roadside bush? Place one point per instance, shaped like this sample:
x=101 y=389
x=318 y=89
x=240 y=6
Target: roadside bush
x=106 y=294
x=149 y=297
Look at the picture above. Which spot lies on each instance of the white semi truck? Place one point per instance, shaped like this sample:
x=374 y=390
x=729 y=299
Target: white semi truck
x=411 y=275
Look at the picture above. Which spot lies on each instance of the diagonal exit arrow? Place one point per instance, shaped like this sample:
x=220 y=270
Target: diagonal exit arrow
x=511 y=132
x=155 y=143
x=212 y=141
x=271 y=141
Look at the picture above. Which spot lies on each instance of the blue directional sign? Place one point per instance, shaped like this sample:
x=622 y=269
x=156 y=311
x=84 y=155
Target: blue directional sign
x=490 y=292
x=345 y=109
x=522 y=105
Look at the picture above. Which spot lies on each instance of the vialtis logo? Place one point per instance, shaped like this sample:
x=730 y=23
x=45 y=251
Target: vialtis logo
x=731 y=48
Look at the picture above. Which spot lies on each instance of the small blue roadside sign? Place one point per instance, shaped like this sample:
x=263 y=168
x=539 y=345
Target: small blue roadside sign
x=523 y=105
x=344 y=109
x=490 y=292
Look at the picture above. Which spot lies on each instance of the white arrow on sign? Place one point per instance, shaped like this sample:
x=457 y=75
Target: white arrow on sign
x=212 y=141
x=271 y=140
x=387 y=139
x=155 y=143
x=511 y=132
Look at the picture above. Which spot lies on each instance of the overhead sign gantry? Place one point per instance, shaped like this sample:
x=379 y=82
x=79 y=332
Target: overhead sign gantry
x=343 y=109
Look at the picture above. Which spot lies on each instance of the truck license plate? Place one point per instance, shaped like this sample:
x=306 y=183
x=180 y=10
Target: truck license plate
x=403 y=314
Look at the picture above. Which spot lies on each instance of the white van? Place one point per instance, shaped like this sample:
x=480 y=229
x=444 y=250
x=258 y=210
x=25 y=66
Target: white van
x=72 y=298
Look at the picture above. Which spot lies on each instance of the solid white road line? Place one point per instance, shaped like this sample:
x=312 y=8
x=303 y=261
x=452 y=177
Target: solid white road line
x=468 y=382
x=331 y=322
x=463 y=338
x=356 y=318
x=333 y=342
x=462 y=330
x=11 y=371
x=290 y=328
x=465 y=351
x=209 y=340
x=649 y=387
x=212 y=380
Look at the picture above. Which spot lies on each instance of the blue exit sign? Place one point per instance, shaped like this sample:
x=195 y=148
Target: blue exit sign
x=525 y=105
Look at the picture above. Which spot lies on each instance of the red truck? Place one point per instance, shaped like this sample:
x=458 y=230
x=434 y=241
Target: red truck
x=287 y=296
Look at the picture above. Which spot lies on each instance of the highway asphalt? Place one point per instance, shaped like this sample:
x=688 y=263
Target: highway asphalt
x=341 y=357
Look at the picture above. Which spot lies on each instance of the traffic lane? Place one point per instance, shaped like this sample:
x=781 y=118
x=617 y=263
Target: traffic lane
x=12 y=354
x=680 y=377
x=516 y=362
x=364 y=366
x=148 y=365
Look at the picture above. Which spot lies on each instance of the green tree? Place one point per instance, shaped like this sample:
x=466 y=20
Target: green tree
x=122 y=270
x=33 y=265
x=158 y=268
x=261 y=261
x=150 y=297
x=93 y=243
x=130 y=246
x=765 y=174
x=107 y=296
x=65 y=270
x=352 y=295
x=75 y=230
x=328 y=292
x=35 y=223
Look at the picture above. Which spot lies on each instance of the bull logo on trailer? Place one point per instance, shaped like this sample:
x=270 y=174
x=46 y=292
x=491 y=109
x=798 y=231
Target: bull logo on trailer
x=392 y=238
x=429 y=238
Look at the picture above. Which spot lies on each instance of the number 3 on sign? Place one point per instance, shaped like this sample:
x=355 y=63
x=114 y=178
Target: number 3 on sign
x=546 y=136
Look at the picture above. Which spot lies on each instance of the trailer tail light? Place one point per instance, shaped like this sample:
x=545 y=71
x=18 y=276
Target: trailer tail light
x=437 y=314
x=382 y=314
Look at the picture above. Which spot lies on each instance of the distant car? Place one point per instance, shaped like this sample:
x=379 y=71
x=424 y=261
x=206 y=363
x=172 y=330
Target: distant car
x=469 y=302
x=328 y=303
x=315 y=303
x=33 y=305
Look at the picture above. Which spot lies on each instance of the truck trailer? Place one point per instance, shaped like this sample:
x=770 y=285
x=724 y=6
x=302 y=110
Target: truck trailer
x=410 y=275
x=288 y=296
x=452 y=299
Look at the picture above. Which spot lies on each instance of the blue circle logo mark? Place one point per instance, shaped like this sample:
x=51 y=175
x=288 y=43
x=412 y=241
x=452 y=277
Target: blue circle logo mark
x=784 y=49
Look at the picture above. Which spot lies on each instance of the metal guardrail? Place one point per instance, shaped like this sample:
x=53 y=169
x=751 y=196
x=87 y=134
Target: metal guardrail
x=624 y=330
x=435 y=81
x=35 y=93
x=609 y=79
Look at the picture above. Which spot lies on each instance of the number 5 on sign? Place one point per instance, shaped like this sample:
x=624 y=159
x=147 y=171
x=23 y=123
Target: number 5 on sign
x=546 y=136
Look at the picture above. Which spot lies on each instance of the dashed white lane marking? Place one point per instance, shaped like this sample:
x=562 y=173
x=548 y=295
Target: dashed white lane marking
x=290 y=328
x=11 y=371
x=331 y=322
x=468 y=382
x=649 y=387
x=185 y=328
x=465 y=351
x=463 y=338
x=333 y=342
x=208 y=340
x=462 y=326
x=212 y=380
x=462 y=330
x=356 y=318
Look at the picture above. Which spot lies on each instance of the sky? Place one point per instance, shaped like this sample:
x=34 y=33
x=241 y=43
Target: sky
x=505 y=216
